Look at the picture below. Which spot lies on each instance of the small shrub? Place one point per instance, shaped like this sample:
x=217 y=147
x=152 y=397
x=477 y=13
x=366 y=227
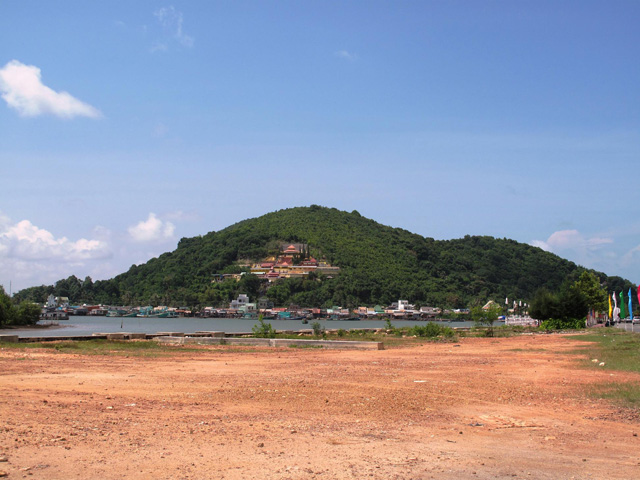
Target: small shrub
x=342 y=332
x=262 y=329
x=317 y=329
x=430 y=330
x=448 y=332
x=557 y=324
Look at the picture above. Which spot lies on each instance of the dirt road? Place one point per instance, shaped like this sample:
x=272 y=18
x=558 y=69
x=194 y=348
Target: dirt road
x=482 y=408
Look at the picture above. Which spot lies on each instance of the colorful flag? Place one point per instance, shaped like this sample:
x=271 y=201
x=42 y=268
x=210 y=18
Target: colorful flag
x=610 y=309
x=630 y=307
x=623 y=314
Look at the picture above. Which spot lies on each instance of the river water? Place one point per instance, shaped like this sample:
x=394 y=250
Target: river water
x=78 y=326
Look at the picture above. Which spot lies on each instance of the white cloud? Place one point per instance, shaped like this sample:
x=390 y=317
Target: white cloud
x=151 y=230
x=564 y=240
x=27 y=242
x=22 y=88
x=171 y=21
x=346 y=55
x=540 y=244
x=30 y=255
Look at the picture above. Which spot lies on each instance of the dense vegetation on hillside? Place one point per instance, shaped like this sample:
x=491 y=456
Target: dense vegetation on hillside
x=379 y=264
x=12 y=313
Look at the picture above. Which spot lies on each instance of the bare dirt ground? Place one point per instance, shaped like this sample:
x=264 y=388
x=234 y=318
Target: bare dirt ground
x=483 y=408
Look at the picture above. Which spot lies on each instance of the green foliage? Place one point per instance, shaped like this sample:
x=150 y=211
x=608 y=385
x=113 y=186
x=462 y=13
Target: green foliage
x=430 y=330
x=448 y=332
x=318 y=331
x=595 y=296
x=26 y=313
x=263 y=329
x=544 y=305
x=7 y=311
x=378 y=265
x=486 y=318
x=572 y=301
x=562 y=324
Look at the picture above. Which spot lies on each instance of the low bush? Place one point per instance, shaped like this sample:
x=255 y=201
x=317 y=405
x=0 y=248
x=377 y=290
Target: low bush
x=432 y=330
x=263 y=330
x=318 y=331
x=557 y=324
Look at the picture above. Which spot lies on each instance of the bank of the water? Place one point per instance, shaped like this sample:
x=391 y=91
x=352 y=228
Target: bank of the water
x=77 y=326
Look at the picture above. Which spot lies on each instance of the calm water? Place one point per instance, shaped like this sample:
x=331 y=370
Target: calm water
x=90 y=325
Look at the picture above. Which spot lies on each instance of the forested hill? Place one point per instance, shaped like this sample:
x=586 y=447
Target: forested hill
x=378 y=265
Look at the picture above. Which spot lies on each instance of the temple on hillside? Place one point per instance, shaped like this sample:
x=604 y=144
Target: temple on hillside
x=293 y=261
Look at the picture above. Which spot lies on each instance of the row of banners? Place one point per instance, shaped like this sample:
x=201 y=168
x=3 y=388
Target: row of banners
x=616 y=313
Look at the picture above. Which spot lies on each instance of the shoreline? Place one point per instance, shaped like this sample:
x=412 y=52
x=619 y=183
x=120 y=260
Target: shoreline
x=9 y=328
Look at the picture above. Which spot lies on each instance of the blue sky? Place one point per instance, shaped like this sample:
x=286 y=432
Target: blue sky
x=125 y=126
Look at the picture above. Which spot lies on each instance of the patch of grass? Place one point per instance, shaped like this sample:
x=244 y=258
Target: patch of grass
x=102 y=347
x=623 y=394
x=619 y=350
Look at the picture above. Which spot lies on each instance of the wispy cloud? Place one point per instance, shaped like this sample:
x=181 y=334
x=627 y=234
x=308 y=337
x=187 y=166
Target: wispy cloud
x=171 y=21
x=571 y=240
x=590 y=251
x=181 y=216
x=346 y=55
x=159 y=47
x=152 y=229
x=22 y=88
x=632 y=256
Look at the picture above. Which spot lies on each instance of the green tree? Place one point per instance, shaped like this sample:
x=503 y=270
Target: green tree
x=7 y=310
x=573 y=304
x=249 y=284
x=263 y=329
x=544 y=305
x=486 y=318
x=589 y=286
x=27 y=313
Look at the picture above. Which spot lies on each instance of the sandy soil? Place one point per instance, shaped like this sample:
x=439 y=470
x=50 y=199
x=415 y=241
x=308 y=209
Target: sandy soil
x=482 y=408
